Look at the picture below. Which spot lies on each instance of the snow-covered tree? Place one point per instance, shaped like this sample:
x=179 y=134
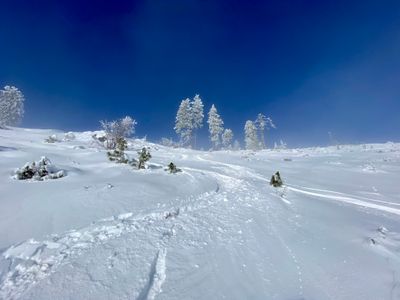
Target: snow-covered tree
x=117 y=130
x=11 y=106
x=227 y=138
x=250 y=133
x=282 y=145
x=144 y=156
x=189 y=118
x=215 y=127
x=118 y=154
x=184 y=122
x=263 y=123
x=197 y=115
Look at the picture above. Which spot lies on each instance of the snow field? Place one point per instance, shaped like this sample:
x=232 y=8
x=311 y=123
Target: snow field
x=215 y=231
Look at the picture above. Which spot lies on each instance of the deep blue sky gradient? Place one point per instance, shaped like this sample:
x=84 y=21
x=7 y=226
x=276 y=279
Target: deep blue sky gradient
x=313 y=66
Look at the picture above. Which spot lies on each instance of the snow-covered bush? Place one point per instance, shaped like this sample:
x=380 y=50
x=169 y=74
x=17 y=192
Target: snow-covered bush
x=172 y=168
x=117 y=129
x=144 y=156
x=69 y=136
x=118 y=154
x=40 y=170
x=11 y=106
x=100 y=139
x=52 y=139
x=276 y=180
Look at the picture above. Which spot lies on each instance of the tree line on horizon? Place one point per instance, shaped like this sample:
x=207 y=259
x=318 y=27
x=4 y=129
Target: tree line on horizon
x=189 y=119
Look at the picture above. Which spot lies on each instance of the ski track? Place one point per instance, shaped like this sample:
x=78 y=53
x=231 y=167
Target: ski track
x=31 y=261
x=345 y=195
x=157 y=277
x=347 y=199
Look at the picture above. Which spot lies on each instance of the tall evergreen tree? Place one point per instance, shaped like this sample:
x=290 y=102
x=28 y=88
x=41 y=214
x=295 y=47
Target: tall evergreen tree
x=263 y=123
x=184 y=123
x=197 y=115
x=250 y=133
x=11 y=106
x=227 y=138
x=215 y=127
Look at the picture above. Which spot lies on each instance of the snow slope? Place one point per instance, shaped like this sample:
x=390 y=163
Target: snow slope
x=215 y=231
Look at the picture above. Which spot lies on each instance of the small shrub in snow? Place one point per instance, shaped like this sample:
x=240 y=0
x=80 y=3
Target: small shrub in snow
x=40 y=170
x=118 y=154
x=276 y=180
x=69 y=136
x=52 y=139
x=173 y=169
x=144 y=156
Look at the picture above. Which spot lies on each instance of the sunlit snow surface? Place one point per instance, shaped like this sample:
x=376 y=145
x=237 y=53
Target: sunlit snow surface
x=217 y=230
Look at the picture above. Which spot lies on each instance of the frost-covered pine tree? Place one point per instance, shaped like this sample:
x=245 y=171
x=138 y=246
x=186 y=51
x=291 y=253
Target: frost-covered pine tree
x=215 y=127
x=197 y=115
x=227 y=138
x=11 y=106
x=263 y=123
x=250 y=133
x=144 y=156
x=184 y=122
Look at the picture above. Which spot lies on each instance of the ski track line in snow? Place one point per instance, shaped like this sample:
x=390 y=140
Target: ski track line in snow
x=31 y=261
x=346 y=195
x=157 y=277
x=349 y=200
x=25 y=264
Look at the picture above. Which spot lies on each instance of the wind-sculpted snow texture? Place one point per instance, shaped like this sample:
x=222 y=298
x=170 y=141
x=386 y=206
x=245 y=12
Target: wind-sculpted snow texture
x=216 y=230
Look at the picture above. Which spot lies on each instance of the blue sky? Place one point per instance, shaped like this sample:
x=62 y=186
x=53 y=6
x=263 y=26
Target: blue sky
x=313 y=66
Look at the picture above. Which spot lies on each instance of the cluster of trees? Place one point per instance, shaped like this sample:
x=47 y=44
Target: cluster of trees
x=254 y=132
x=116 y=133
x=189 y=119
x=11 y=106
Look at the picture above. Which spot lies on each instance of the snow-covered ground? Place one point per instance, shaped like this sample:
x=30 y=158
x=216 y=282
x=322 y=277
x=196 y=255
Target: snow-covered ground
x=217 y=230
